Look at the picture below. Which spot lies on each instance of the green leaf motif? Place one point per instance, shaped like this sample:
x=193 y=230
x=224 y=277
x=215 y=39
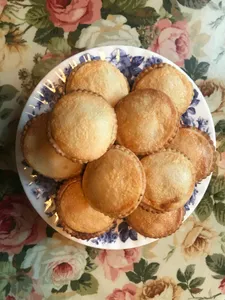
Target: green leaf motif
x=219 y=212
x=38 y=17
x=216 y=263
x=4 y=256
x=194 y=69
x=38 y=2
x=7 y=93
x=133 y=277
x=5 y=113
x=180 y=276
x=59 y=46
x=6 y=269
x=218 y=277
x=9 y=183
x=21 y=286
x=220 y=126
x=43 y=67
x=189 y=272
x=183 y=286
x=139 y=268
x=124 y=5
x=90 y=266
x=3 y=284
x=172 y=7
x=223 y=248
x=197 y=282
x=218 y=185
x=196 y=4
x=150 y=271
x=221 y=147
x=92 y=252
x=63 y=289
x=220 y=196
x=205 y=208
x=86 y=285
x=43 y=35
x=196 y=290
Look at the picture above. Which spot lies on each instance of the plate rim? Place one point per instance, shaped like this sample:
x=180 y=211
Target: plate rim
x=127 y=49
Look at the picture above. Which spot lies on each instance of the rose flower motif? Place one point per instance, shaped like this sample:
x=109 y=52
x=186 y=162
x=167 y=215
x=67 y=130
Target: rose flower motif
x=161 y=289
x=214 y=93
x=3 y=3
x=173 y=41
x=194 y=238
x=222 y=286
x=68 y=14
x=126 y=293
x=115 y=262
x=19 y=224
x=56 y=261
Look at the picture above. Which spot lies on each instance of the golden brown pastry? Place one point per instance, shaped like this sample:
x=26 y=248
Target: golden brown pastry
x=169 y=80
x=76 y=216
x=155 y=225
x=40 y=154
x=198 y=147
x=82 y=126
x=100 y=77
x=115 y=183
x=170 y=180
x=147 y=121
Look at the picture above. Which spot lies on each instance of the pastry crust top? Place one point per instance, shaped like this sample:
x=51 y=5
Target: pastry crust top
x=170 y=180
x=169 y=80
x=100 y=77
x=198 y=147
x=147 y=120
x=40 y=154
x=82 y=126
x=156 y=225
x=75 y=212
x=115 y=183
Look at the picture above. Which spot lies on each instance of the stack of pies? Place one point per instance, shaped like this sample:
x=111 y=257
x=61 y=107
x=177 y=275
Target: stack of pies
x=121 y=154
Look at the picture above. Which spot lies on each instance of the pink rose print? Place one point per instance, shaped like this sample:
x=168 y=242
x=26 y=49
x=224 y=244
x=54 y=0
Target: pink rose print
x=10 y=298
x=68 y=14
x=222 y=286
x=19 y=224
x=173 y=41
x=128 y=292
x=3 y=3
x=114 y=262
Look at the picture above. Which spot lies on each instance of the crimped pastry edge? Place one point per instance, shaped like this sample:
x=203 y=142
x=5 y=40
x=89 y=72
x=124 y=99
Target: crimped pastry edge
x=91 y=61
x=163 y=235
x=150 y=208
x=167 y=142
x=23 y=134
x=59 y=150
x=204 y=134
x=125 y=214
x=66 y=228
x=157 y=66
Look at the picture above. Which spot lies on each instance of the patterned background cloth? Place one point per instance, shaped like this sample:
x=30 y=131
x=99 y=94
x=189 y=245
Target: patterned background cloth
x=35 y=261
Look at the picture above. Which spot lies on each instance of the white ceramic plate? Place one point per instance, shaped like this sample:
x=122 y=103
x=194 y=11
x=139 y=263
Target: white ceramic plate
x=40 y=190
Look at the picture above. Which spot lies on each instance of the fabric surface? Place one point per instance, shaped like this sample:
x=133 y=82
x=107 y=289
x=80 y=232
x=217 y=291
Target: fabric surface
x=38 y=263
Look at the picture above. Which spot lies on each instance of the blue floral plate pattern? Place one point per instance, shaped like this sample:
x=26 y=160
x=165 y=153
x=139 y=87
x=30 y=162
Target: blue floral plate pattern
x=41 y=190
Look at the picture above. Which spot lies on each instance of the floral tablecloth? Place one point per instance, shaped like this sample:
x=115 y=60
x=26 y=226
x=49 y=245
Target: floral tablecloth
x=35 y=261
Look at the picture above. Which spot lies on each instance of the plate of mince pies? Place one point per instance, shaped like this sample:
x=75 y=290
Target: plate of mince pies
x=115 y=147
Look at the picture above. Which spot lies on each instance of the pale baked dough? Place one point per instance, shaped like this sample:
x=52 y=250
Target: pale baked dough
x=155 y=225
x=76 y=215
x=40 y=154
x=198 y=147
x=170 y=180
x=82 y=126
x=115 y=183
x=100 y=77
x=169 y=80
x=147 y=121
